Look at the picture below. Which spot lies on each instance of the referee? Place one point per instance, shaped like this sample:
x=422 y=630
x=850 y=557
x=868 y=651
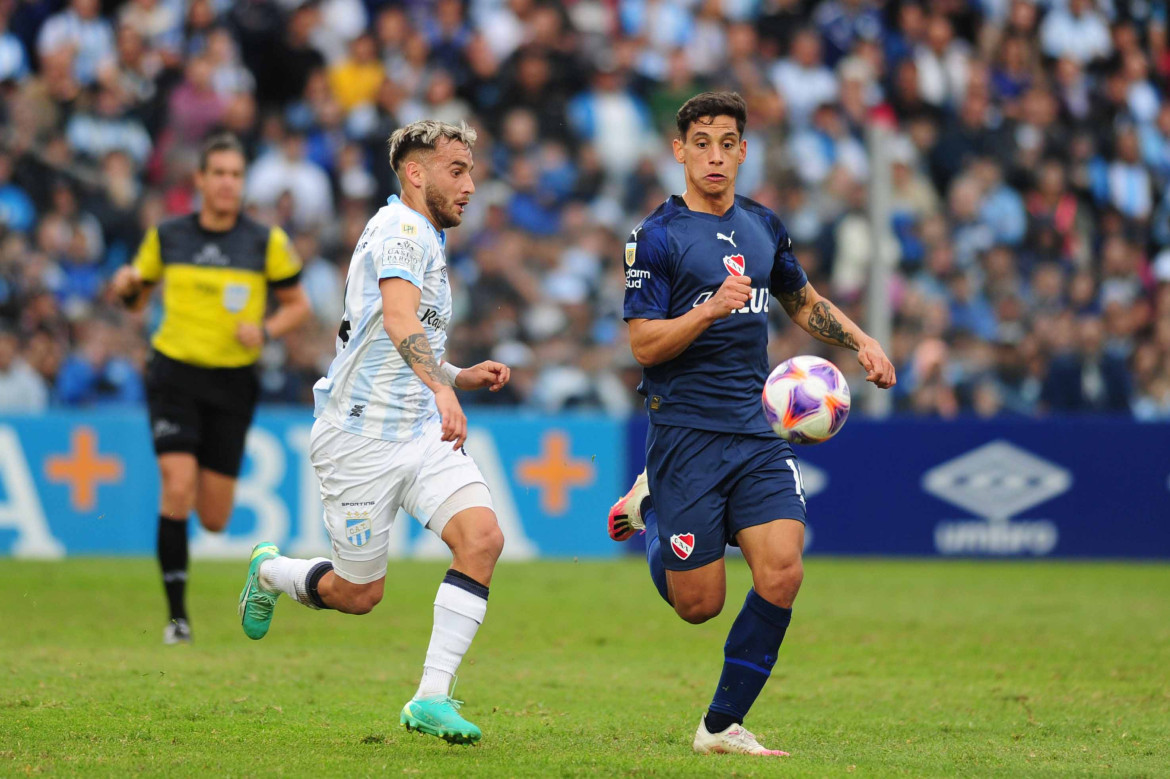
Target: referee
x=217 y=267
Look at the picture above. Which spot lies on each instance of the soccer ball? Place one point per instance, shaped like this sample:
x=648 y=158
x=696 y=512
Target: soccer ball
x=806 y=400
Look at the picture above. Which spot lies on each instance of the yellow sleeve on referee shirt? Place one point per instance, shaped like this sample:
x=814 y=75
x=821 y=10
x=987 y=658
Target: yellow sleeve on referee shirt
x=148 y=261
x=281 y=262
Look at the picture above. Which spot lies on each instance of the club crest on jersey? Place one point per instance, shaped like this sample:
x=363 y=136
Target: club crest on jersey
x=734 y=264
x=357 y=527
x=683 y=544
x=631 y=253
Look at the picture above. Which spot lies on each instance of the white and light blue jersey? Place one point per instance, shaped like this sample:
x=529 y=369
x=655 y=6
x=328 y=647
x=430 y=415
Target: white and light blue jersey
x=369 y=389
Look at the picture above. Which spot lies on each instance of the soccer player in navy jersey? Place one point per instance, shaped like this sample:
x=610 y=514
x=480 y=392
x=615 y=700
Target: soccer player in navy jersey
x=699 y=272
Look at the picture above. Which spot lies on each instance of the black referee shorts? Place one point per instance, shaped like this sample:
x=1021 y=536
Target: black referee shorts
x=203 y=411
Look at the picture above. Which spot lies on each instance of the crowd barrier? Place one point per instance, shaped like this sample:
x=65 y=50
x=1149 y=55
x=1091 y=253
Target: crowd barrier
x=85 y=483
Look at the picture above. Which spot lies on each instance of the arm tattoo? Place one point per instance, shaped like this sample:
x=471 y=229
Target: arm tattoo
x=794 y=301
x=821 y=322
x=416 y=350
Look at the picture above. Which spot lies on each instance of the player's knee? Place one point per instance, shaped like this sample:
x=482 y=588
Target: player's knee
x=363 y=601
x=178 y=496
x=779 y=584
x=490 y=543
x=698 y=610
x=213 y=521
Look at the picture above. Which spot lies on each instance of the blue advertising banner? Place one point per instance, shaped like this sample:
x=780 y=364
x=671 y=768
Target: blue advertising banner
x=1094 y=487
x=87 y=483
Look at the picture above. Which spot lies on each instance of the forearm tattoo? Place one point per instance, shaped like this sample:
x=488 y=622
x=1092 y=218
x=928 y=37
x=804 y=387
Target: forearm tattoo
x=416 y=350
x=794 y=301
x=821 y=322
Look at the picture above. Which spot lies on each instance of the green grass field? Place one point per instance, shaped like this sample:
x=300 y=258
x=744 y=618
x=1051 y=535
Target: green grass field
x=890 y=667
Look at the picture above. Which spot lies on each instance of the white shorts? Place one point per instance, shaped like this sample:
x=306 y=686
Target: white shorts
x=364 y=481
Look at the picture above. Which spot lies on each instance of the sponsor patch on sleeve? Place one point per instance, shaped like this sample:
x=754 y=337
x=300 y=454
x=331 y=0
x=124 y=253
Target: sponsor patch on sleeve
x=402 y=255
x=409 y=229
x=631 y=253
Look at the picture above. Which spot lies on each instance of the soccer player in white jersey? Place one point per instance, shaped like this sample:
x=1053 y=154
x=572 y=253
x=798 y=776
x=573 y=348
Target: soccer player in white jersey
x=389 y=432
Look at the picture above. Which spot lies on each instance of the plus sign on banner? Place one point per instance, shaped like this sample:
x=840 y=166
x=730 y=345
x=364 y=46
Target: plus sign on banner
x=555 y=472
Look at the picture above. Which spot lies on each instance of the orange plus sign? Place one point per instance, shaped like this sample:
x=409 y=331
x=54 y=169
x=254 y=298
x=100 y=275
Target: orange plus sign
x=83 y=469
x=554 y=472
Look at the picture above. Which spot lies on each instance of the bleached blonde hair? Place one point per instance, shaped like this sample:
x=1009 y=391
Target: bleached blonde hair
x=425 y=134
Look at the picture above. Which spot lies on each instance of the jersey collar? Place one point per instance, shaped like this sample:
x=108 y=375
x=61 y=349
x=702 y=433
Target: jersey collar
x=680 y=204
x=440 y=234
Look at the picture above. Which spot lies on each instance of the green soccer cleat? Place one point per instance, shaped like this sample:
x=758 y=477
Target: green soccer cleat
x=256 y=603
x=439 y=716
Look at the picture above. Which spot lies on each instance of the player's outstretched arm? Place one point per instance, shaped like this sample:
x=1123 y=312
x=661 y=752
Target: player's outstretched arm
x=822 y=319
x=655 y=341
x=400 y=300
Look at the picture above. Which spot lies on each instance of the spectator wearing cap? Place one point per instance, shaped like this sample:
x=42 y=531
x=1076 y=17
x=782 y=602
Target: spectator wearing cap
x=84 y=35
x=21 y=388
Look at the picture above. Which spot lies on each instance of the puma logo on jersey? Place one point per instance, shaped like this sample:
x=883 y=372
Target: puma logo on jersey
x=729 y=238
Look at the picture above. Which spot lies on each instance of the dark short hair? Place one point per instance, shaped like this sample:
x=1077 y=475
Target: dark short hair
x=711 y=105
x=217 y=143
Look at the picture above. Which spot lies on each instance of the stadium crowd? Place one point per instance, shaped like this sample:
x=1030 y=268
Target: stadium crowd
x=1030 y=177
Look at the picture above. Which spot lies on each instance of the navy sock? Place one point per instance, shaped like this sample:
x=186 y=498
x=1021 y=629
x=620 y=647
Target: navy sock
x=654 y=549
x=313 y=578
x=748 y=657
x=172 y=561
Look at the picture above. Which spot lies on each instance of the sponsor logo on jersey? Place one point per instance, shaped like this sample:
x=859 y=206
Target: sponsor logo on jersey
x=683 y=544
x=211 y=254
x=634 y=277
x=734 y=264
x=431 y=318
x=631 y=253
x=729 y=238
x=357 y=410
x=996 y=481
x=759 y=303
x=409 y=229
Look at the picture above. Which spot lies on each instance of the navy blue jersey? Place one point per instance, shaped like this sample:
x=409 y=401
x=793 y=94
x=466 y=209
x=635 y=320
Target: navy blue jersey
x=676 y=259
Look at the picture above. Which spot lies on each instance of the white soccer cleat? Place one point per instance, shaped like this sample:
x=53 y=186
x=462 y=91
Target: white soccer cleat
x=625 y=517
x=177 y=631
x=736 y=740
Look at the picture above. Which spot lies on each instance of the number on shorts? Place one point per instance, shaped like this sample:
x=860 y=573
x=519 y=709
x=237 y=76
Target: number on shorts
x=799 y=481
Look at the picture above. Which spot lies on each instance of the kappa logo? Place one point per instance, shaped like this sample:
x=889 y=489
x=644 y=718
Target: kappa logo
x=729 y=238
x=683 y=544
x=734 y=264
x=996 y=481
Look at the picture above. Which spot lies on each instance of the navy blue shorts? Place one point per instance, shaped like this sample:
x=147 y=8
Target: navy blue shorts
x=706 y=487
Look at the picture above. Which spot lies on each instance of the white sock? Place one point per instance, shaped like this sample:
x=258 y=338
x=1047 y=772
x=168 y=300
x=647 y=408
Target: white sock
x=458 y=614
x=288 y=575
